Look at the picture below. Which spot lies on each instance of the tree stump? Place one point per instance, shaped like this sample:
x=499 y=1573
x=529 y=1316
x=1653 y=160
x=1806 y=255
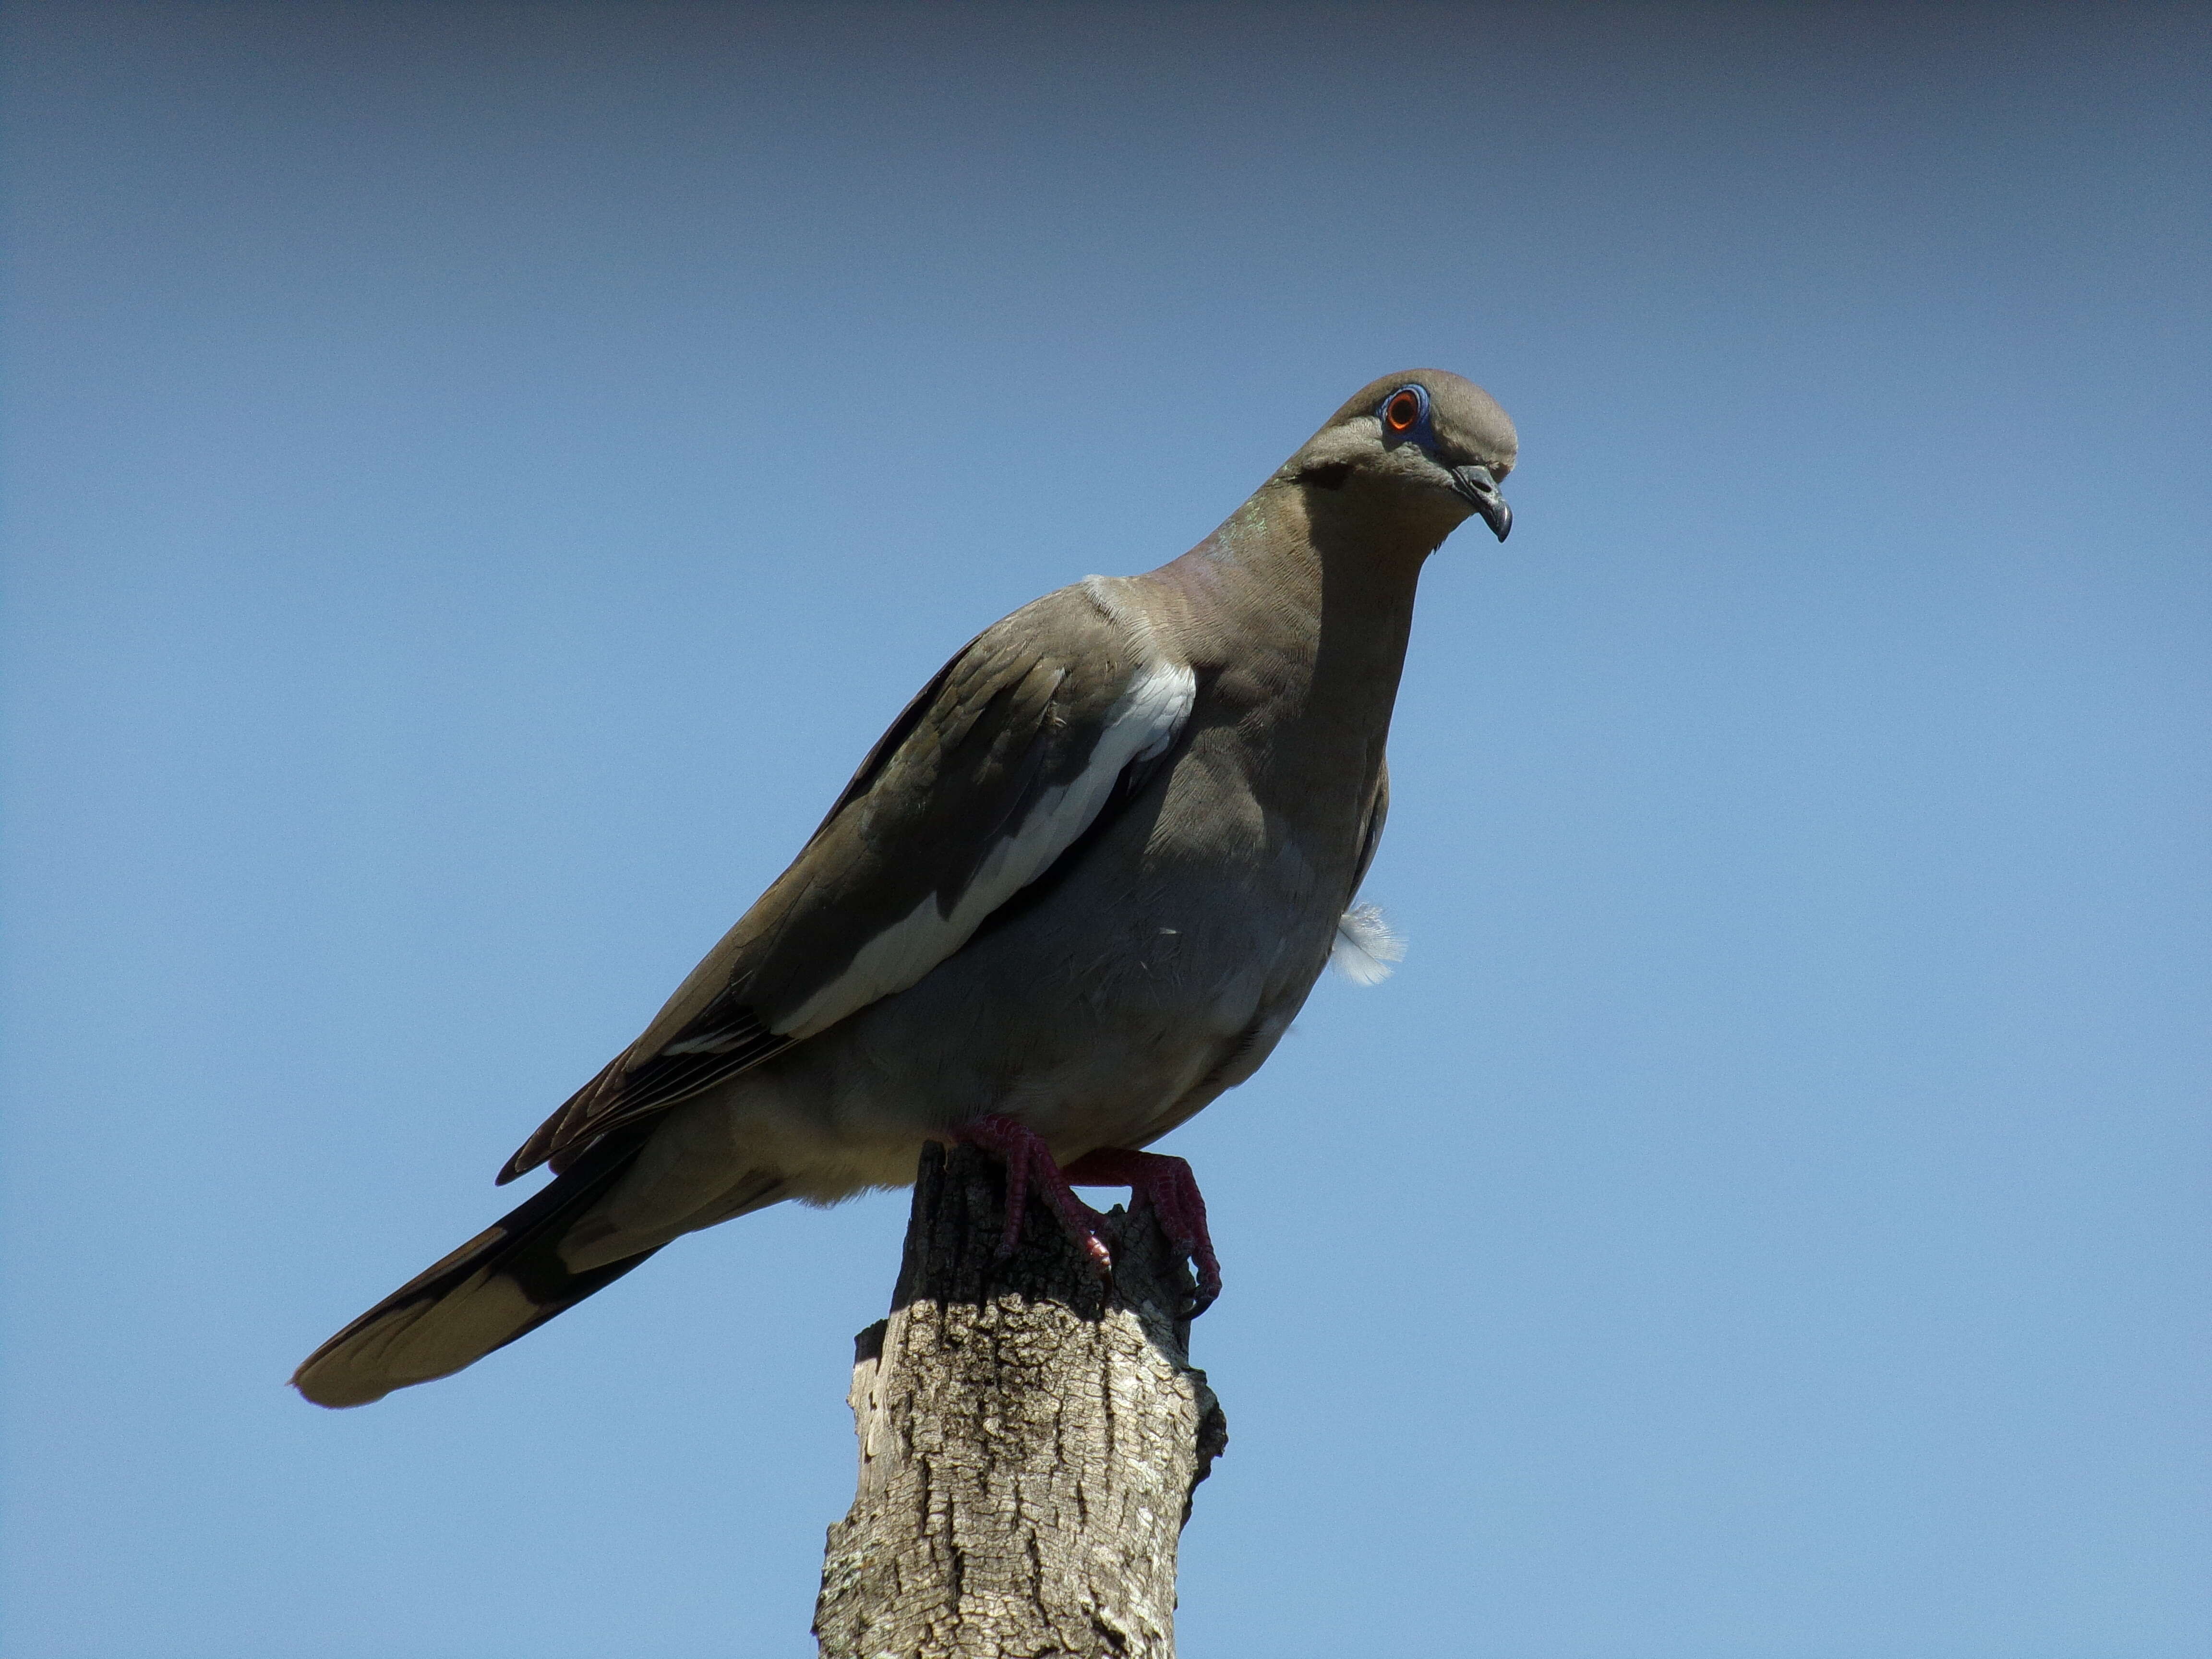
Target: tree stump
x=1031 y=1438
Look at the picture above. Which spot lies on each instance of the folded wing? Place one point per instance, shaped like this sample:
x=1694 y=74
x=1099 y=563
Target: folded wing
x=1042 y=725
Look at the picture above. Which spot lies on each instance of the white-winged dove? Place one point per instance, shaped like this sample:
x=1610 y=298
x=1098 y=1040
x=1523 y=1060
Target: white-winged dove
x=1078 y=890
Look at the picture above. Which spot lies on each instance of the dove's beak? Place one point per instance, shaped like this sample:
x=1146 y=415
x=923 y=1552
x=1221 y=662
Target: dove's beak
x=1475 y=486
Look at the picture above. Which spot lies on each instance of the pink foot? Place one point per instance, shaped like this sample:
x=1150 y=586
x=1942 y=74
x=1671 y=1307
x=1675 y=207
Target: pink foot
x=1167 y=1184
x=1027 y=1158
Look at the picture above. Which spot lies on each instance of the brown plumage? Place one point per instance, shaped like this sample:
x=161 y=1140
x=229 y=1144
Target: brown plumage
x=1080 y=887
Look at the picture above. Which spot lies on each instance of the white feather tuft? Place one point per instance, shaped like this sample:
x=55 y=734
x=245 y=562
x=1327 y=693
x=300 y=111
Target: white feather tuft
x=1366 y=945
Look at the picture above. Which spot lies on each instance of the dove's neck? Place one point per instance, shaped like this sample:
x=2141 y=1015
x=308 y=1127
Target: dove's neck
x=1309 y=614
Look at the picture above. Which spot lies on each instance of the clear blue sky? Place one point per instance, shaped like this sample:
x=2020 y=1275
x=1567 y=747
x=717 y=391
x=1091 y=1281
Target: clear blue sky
x=476 y=480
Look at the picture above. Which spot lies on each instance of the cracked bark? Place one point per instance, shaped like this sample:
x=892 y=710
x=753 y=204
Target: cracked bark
x=1030 y=1441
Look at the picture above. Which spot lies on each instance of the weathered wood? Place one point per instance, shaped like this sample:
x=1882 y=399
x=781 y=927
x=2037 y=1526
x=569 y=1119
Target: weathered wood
x=1030 y=1441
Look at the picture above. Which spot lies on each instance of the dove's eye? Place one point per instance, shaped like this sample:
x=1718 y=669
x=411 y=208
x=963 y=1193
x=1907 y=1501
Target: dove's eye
x=1401 y=412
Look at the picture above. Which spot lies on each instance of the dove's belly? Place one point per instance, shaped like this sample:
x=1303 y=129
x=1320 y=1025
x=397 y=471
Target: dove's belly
x=1159 y=970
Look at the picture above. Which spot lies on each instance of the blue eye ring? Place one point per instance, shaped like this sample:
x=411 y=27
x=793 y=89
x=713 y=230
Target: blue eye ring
x=1405 y=414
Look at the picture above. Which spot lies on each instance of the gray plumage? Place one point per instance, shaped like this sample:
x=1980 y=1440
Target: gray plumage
x=1083 y=882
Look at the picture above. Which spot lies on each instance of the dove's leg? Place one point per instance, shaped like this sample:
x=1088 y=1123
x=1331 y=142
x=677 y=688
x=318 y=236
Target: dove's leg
x=1028 y=1159
x=1167 y=1184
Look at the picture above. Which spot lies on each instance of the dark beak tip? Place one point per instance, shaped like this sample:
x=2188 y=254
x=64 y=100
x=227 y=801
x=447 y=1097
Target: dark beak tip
x=1479 y=490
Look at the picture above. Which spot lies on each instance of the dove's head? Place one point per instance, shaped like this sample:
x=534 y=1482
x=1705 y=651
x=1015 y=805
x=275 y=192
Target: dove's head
x=1424 y=444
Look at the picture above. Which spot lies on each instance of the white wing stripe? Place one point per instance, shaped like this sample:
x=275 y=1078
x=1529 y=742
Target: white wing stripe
x=1143 y=722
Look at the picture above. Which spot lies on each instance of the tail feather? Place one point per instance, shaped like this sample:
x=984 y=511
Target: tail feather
x=502 y=1284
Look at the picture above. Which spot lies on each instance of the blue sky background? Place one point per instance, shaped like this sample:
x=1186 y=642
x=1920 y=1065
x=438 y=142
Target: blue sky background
x=476 y=478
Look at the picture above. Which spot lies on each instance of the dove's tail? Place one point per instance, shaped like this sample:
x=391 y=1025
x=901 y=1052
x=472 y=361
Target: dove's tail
x=502 y=1284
